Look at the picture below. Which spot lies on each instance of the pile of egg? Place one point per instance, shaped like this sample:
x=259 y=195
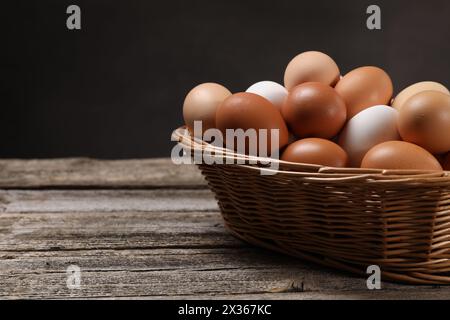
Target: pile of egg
x=332 y=120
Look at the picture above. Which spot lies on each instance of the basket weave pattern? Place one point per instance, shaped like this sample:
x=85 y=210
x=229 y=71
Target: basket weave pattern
x=343 y=218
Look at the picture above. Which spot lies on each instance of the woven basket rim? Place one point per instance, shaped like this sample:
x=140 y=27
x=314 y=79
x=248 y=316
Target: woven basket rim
x=310 y=171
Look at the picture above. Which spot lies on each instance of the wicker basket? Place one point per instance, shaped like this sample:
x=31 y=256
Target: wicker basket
x=339 y=217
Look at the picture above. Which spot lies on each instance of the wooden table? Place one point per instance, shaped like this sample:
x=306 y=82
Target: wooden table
x=144 y=229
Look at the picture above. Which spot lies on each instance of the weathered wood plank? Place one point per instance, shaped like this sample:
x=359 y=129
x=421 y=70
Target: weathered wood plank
x=208 y=276
x=145 y=254
x=83 y=172
x=115 y=231
x=172 y=273
x=153 y=238
x=16 y=201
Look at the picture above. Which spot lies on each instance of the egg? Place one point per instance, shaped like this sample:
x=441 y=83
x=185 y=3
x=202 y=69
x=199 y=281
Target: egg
x=424 y=119
x=245 y=111
x=408 y=92
x=364 y=87
x=315 y=151
x=272 y=91
x=368 y=128
x=311 y=66
x=201 y=103
x=399 y=155
x=314 y=109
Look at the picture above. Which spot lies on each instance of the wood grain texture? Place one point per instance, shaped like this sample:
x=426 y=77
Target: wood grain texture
x=159 y=243
x=106 y=200
x=84 y=172
x=161 y=254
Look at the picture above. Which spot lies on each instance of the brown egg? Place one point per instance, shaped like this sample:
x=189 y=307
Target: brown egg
x=314 y=109
x=201 y=103
x=418 y=87
x=311 y=66
x=245 y=111
x=364 y=87
x=399 y=155
x=446 y=162
x=424 y=119
x=316 y=151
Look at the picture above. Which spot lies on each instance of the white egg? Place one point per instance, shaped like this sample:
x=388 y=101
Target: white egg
x=366 y=129
x=272 y=91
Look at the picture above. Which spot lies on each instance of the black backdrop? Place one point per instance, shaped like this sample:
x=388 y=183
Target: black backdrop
x=115 y=88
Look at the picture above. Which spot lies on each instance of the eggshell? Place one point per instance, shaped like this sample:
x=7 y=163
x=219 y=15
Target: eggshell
x=424 y=119
x=314 y=109
x=315 y=151
x=311 y=66
x=246 y=110
x=399 y=155
x=270 y=90
x=413 y=89
x=201 y=103
x=368 y=128
x=364 y=87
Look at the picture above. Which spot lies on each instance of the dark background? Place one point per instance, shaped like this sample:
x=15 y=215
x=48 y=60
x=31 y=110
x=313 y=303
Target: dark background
x=115 y=88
